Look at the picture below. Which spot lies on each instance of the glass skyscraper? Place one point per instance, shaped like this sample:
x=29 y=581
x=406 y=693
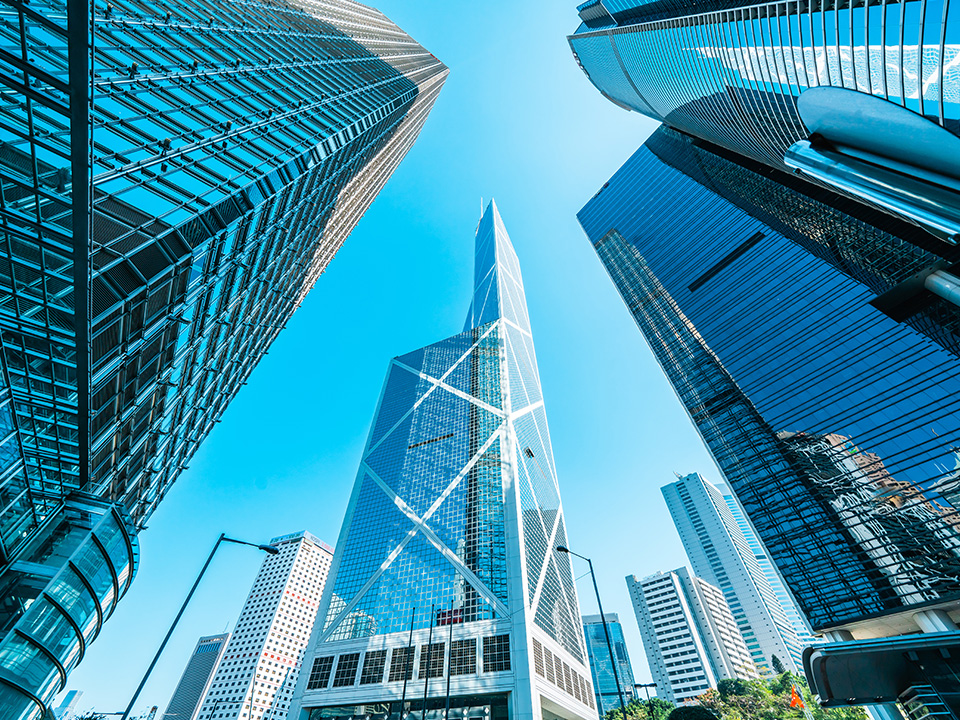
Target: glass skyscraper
x=174 y=177
x=800 y=627
x=833 y=419
x=731 y=71
x=446 y=587
x=604 y=682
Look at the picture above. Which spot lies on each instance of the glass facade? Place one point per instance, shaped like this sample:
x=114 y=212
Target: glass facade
x=601 y=669
x=174 y=178
x=455 y=511
x=834 y=424
x=731 y=72
x=56 y=598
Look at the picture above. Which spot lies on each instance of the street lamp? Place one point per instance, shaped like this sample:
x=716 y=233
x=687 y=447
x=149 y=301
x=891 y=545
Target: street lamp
x=270 y=549
x=603 y=619
x=646 y=688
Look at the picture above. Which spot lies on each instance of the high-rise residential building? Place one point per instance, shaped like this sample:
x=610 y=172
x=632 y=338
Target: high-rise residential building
x=827 y=91
x=261 y=663
x=719 y=553
x=446 y=586
x=174 y=180
x=828 y=395
x=800 y=627
x=601 y=667
x=196 y=678
x=689 y=634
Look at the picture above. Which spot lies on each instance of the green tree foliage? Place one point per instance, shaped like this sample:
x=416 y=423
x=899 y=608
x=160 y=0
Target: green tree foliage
x=765 y=699
x=735 y=686
x=656 y=709
x=778 y=667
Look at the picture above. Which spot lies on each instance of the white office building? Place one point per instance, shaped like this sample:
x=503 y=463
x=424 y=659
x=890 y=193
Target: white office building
x=259 y=669
x=689 y=634
x=720 y=553
x=196 y=678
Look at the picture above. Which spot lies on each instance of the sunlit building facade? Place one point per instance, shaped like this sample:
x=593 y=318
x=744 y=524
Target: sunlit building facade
x=175 y=177
x=263 y=660
x=690 y=636
x=446 y=590
x=719 y=553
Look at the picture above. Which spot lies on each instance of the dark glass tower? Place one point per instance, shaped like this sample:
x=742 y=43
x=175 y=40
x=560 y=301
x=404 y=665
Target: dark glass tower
x=173 y=179
x=445 y=585
x=834 y=424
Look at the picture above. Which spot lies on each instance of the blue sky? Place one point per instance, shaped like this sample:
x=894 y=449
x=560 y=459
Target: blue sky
x=516 y=120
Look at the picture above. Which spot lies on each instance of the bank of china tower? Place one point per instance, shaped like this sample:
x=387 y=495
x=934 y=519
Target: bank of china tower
x=447 y=595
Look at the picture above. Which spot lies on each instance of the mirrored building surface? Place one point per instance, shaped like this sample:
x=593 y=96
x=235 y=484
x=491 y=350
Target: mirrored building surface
x=601 y=666
x=445 y=585
x=731 y=71
x=173 y=179
x=834 y=422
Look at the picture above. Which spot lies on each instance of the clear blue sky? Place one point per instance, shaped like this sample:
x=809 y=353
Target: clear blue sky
x=516 y=120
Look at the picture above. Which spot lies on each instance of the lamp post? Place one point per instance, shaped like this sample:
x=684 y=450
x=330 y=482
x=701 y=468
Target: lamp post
x=270 y=549
x=603 y=619
x=646 y=688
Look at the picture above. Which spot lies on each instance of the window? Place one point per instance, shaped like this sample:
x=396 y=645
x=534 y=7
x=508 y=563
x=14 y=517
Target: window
x=496 y=653
x=346 y=670
x=320 y=673
x=463 y=657
x=401 y=664
x=373 y=664
x=434 y=654
x=538 y=657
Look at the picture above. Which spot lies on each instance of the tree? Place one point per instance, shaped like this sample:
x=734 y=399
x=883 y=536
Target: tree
x=658 y=708
x=733 y=686
x=692 y=712
x=655 y=709
x=778 y=667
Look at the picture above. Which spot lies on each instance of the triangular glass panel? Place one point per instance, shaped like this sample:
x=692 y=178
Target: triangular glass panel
x=534 y=458
x=535 y=539
x=401 y=391
x=436 y=359
x=470 y=522
x=478 y=375
x=418 y=578
x=365 y=548
x=428 y=449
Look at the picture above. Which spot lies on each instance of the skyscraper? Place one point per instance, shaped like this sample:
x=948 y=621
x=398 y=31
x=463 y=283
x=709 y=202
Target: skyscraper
x=826 y=91
x=689 y=634
x=720 y=554
x=832 y=421
x=174 y=180
x=797 y=621
x=196 y=678
x=445 y=583
x=601 y=668
x=262 y=661
x=66 y=710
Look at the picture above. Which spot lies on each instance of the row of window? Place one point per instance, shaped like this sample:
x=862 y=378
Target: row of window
x=552 y=668
x=432 y=657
